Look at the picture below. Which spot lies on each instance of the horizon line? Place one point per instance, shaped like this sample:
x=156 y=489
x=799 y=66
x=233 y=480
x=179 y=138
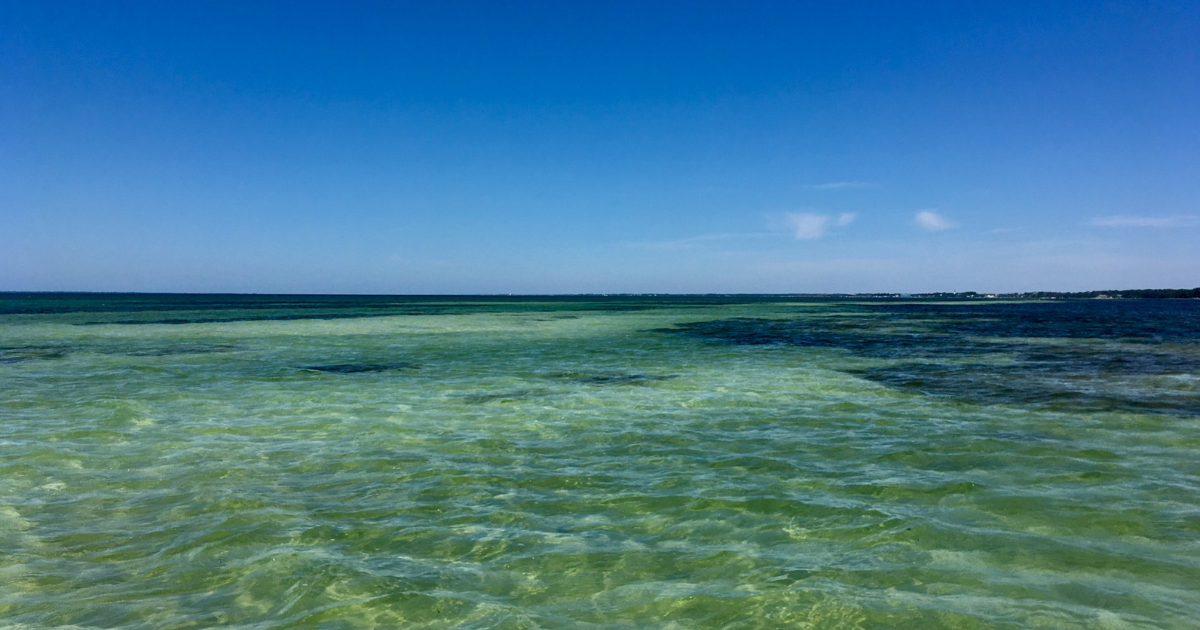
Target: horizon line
x=904 y=294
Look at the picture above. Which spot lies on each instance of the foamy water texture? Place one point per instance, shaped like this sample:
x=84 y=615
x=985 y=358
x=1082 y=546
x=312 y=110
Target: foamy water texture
x=252 y=462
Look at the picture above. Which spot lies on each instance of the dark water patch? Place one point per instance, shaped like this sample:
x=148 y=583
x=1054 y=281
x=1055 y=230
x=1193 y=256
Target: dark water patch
x=358 y=368
x=1128 y=359
x=20 y=354
x=427 y=311
x=1034 y=386
x=66 y=303
x=1065 y=356
x=611 y=378
x=863 y=336
x=170 y=351
x=890 y=328
x=63 y=303
x=1147 y=321
x=503 y=397
x=227 y=320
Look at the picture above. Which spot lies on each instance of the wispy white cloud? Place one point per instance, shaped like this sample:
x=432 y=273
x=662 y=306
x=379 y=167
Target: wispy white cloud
x=932 y=221
x=808 y=226
x=1145 y=221
x=839 y=185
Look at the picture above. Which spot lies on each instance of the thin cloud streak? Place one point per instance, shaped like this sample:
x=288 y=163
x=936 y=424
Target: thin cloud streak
x=931 y=221
x=1145 y=221
x=808 y=226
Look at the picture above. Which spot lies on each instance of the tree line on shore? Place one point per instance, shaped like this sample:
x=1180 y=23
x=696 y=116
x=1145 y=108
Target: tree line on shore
x=1077 y=295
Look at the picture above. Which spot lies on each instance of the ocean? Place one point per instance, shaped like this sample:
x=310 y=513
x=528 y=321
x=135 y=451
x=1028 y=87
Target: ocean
x=262 y=462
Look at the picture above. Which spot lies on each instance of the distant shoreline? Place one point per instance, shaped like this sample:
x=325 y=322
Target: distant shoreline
x=1119 y=294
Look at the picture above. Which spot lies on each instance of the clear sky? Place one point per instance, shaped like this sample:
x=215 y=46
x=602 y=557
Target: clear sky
x=572 y=147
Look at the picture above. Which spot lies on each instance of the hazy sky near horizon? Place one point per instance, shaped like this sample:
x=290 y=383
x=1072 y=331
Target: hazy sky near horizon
x=571 y=147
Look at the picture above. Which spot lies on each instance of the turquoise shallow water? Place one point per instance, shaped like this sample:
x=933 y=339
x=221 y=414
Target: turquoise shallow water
x=258 y=462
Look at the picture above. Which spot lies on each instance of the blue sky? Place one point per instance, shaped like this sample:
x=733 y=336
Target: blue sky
x=571 y=147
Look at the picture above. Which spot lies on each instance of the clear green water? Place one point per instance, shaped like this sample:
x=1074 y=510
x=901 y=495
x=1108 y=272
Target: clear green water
x=602 y=463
